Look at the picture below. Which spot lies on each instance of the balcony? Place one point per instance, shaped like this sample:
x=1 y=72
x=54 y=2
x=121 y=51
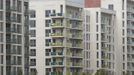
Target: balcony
x=130 y=10
x=11 y=51
x=57 y=64
x=11 y=30
x=74 y=65
x=57 y=15
x=9 y=9
x=79 y=46
x=57 y=35
x=77 y=27
x=56 y=53
x=75 y=17
x=74 y=55
x=57 y=25
x=13 y=41
x=77 y=36
x=60 y=44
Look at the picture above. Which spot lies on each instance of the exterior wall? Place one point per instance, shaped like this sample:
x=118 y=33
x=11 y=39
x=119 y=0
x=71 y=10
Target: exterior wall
x=92 y=3
x=12 y=33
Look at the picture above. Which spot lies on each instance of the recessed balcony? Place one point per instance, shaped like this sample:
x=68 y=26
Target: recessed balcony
x=57 y=35
x=57 y=64
x=57 y=25
x=57 y=54
x=74 y=65
x=58 y=44
x=57 y=15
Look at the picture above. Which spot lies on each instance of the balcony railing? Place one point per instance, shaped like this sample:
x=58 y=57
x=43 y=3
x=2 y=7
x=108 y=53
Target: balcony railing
x=56 y=34
x=56 y=44
x=57 y=25
x=56 y=53
x=57 y=15
x=57 y=63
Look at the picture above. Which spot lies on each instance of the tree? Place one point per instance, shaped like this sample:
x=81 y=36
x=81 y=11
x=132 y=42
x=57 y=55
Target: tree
x=19 y=72
x=101 y=72
x=34 y=72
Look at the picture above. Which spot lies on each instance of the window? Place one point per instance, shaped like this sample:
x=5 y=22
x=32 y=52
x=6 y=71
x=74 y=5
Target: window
x=97 y=55
x=123 y=23
x=47 y=13
x=48 y=41
x=32 y=43
x=1 y=37
x=1 y=48
x=97 y=37
x=1 y=6
x=32 y=13
x=123 y=40
x=1 y=15
x=19 y=18
x=111 y=7
x=1 y=57
x=123 y=65
x=32 y=23
x=97 y=17
x=97 y=28
x=1 y=26
x=32 y=62
x=123 y=32
x=32 y=33
x=33 y=52
x=97 y=63
x=19 y=6
x=122 y=14
x=122 y=4
x=48 y=31
x=97 y=46
x=48 y=23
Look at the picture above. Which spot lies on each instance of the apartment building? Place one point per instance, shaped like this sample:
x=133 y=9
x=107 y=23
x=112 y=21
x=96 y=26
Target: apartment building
x=56 y=43
x=14 y=37
x=99 y=48
x=123 y=31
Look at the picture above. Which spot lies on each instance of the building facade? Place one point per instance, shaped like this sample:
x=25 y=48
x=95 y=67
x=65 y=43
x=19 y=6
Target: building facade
x=56 y=43
x=14 y=37
x=99 y=48
x=123 y=32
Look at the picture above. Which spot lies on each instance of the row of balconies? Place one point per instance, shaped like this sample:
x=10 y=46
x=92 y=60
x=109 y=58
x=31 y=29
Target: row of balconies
x=61 y=25
x=77 y=55
x=61 y=63
x=61 y=15
x=61 y=35
x=61 y=44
